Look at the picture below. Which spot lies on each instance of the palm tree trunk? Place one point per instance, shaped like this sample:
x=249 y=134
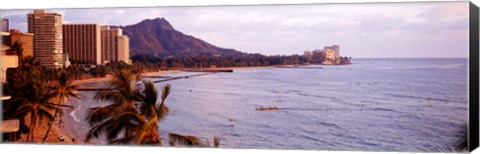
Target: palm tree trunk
x=34 y=120
x=33 y=130
x=29 y=128
x=53 y=120
x=157 y=135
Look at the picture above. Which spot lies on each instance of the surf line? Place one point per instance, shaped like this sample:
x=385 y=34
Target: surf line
x=72 y=114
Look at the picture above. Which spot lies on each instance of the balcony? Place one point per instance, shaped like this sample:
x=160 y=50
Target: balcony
x=8 y=61
x=9 y=126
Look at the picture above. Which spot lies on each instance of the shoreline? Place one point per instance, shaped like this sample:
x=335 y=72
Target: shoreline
x=109 y=77
x=160 y=73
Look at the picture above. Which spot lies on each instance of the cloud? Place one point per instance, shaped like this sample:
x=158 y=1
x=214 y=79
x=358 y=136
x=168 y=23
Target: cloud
x=362 y=30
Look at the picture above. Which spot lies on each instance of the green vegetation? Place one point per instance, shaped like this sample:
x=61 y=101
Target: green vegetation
x=212 y=61
x=34 y=90
x=132 y=114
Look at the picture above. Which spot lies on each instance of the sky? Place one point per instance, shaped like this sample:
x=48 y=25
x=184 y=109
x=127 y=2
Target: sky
x=372 y=30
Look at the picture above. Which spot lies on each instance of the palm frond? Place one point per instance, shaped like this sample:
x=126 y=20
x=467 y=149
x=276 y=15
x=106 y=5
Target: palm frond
x=462 y=143
x=165 y=92
x=123 y=140
x=98 y=129
x=99 y=114
x=182 y=140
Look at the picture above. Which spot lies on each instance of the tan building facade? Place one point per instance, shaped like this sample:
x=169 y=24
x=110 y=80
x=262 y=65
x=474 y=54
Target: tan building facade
x=124 y=49
x=25 y=39
x=329 y=54
x=110 y=43
x=332 y=52
x=115 y=46
x=82 y=43
x=47 y=42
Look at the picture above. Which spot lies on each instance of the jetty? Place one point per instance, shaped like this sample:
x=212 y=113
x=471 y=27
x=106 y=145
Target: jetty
x=300 y=67
x=209 y=70
x=181 y=77
x=153 y=76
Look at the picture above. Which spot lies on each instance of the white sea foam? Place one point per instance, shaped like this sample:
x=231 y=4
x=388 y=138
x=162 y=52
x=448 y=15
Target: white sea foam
x=72 y=114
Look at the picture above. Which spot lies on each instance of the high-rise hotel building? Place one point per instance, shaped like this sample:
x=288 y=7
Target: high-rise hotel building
x=82 y=43
x=124 y=49
x=115 y=46
x=47 y=42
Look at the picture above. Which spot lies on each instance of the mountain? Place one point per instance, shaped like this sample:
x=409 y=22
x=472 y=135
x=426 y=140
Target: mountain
x=158 y=37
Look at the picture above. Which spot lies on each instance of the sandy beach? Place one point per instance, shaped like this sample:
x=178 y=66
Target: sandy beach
x=57 y=132
x=109 y=77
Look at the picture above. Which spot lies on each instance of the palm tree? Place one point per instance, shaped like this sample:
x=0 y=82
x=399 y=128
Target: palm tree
x=462 y=143
x=18 y=49
x=63 y=89
x=125 y=90
x=145 y=126
x=30 y=64
x=460 y=146
x=153 y=112
x=189 y=140
x=150 y=107
x=112 y=117
x=132 y=115
x=20 y=82
x=34 y=101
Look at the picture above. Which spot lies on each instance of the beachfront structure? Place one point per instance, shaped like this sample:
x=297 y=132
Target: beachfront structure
x=7 y=61
x=124 y=49
x=317 y=51
x=308 y=53
x=82 y=44
x=25 y=39
x=336 y=48
x=329 y=54
x=47 y=42
x=5 y=25
x=66 y=60
x=332 y=52
x=115 y=46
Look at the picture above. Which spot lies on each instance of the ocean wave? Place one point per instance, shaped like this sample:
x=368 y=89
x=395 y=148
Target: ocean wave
x=426 y=98
x=72 y=114
x=440 y=66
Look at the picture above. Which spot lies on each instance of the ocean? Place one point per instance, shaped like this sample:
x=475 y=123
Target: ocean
x=371 y=105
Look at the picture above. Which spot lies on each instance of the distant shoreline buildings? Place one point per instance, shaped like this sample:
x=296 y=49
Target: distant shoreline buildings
x=57 y=45
x=329 y=55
